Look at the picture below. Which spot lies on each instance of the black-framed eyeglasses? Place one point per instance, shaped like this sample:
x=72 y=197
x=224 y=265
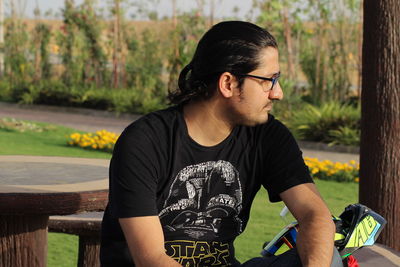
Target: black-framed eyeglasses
x=273 y=79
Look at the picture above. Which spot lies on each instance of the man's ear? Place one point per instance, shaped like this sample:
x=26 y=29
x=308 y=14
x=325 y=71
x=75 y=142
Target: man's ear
x=226 y=84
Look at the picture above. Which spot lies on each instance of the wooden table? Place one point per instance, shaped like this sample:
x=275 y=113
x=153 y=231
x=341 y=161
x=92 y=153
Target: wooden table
x=32 y=189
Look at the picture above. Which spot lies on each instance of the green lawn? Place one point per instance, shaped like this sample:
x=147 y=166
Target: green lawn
x=62 y=250
x=264 y=220
x=52 y=142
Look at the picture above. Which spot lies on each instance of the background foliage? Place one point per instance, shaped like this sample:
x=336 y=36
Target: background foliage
x=330 y=122
x=99 y=59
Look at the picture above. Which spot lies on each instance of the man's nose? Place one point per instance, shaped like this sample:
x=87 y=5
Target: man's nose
x=276 y=93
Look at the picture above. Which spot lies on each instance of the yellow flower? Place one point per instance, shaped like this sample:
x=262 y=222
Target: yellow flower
x=328 y=168
x=99 y=140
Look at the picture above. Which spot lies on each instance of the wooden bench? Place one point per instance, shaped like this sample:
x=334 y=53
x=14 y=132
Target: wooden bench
x=88 y=227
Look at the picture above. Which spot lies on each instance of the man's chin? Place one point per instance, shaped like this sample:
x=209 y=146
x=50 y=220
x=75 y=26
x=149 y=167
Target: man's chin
x=259 y=121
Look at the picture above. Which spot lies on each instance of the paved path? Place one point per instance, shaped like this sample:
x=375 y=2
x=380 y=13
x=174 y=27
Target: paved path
x=80 y=119
x=332 y=156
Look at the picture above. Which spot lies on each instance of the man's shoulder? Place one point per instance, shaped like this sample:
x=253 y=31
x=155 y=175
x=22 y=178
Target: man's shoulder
x=159 y=118
x=272 y=133
x=154 y=125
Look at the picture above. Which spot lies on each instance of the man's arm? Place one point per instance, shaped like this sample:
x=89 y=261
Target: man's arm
x=146 y=241
x=316 y=228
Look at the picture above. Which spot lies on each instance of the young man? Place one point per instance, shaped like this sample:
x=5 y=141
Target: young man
x=182 y=180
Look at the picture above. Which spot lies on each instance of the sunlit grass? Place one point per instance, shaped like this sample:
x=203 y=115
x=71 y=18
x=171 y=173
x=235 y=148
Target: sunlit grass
x=51 y=142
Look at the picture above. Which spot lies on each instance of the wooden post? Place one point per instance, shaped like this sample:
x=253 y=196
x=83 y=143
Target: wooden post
x=23 y=240
x=89 y=251
x=87 y=228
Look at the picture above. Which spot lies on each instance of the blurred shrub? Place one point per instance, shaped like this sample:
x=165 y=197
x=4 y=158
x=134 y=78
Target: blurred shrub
x=14 y=125
x=57 y=93
x=332 y=123
x=291 y=101
x=345 y=136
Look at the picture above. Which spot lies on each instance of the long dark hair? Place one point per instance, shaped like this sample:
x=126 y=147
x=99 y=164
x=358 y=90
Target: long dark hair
x=232 y=46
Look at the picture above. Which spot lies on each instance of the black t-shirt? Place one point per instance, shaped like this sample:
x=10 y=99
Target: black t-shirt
x=202 y=195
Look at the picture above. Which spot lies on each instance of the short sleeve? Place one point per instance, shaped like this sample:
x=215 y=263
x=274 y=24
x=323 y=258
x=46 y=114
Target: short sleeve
x=282 y=160
x=133 y=175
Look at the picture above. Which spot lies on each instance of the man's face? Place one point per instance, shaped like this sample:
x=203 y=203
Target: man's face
x=252 y=103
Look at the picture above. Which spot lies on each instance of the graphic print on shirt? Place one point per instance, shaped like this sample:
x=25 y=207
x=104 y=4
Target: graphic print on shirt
x=204 y=200
x=198 y=253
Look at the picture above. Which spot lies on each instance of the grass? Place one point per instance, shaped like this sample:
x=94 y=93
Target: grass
x=51 y=142
x=62 y=250
x=264 y=220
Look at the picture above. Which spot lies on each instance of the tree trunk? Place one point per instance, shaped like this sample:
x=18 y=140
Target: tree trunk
x=1 y=38
x=380 y=120
x=121 y=46
x=359 y=44
x=212 y=12
x=174 y=14
x=37 y=64
x=289 y=46
x=117 y=46
x=200 y=7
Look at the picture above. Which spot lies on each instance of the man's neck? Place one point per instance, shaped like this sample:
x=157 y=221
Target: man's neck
x=206 y=122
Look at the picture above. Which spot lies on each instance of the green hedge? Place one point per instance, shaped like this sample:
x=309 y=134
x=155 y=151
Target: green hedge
x=128 y=100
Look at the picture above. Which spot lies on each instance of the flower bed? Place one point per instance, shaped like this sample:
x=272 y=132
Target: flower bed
x=101 y=140
x=334 y=171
